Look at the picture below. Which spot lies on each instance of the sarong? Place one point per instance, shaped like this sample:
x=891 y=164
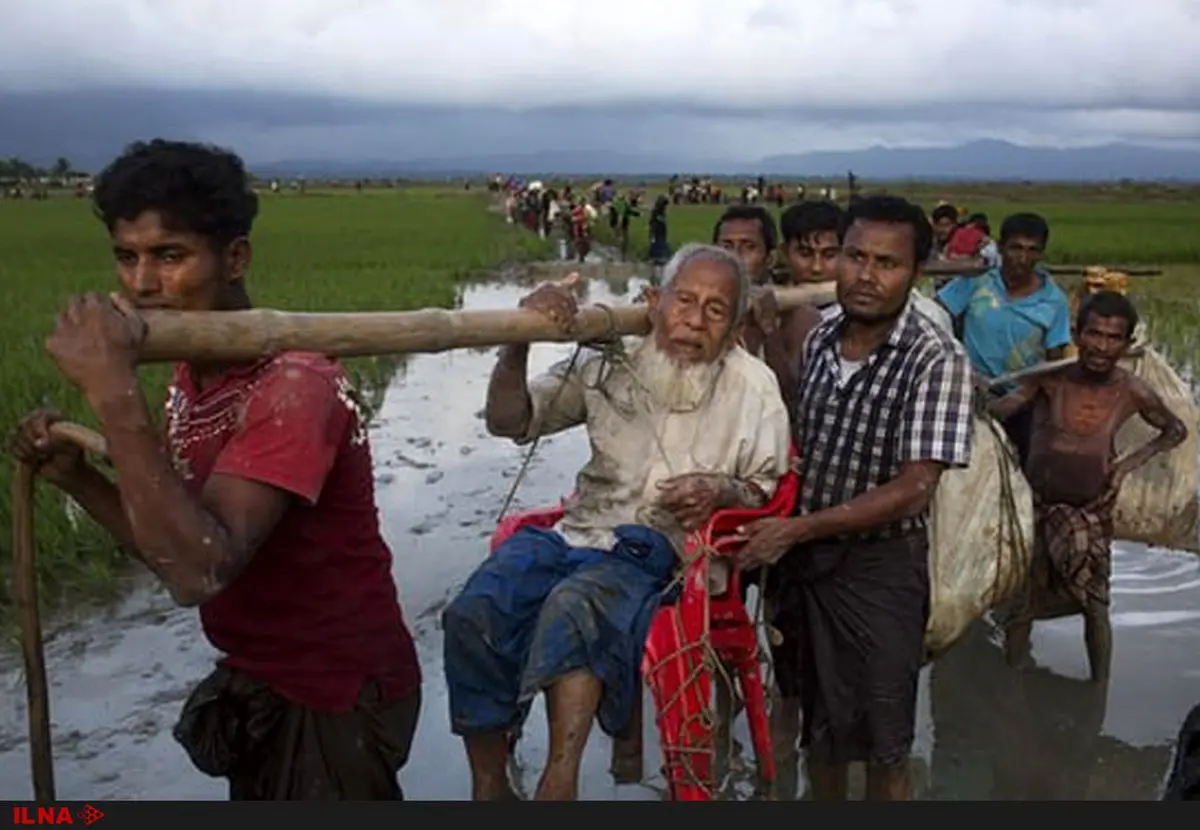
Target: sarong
x=538 y=609
x=1072 y=556
x=852 y=615
x=274 y=750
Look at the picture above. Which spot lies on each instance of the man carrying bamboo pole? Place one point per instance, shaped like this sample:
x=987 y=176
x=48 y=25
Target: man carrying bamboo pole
x=1014 y=316
x=682 y=424
x=749 y=231
x=1075 y=477
x=257 y=505
x=884 y=408
x=811 y=247
x=810 y=241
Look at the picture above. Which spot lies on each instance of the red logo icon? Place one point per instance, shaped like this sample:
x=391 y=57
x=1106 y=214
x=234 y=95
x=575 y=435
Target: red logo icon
x=55 y=815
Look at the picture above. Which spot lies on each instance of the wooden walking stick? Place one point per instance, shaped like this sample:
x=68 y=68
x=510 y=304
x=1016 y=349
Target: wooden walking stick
x=24 y=574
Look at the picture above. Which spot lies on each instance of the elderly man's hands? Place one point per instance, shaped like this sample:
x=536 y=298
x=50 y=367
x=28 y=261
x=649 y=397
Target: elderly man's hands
x=694 y=497
x=555 y=300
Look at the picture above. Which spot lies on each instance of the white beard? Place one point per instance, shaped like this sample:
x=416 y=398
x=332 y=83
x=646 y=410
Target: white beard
x=671 y=385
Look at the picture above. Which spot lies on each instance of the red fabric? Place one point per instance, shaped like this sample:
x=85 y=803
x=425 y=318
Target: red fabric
x=965 y=241
x=315 y=613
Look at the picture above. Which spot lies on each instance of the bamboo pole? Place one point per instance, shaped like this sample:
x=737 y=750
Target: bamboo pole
x=229 y=336
x=1053 y=366
x=975 y=267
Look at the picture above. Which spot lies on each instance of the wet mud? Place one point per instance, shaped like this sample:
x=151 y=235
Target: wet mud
x=119 y=676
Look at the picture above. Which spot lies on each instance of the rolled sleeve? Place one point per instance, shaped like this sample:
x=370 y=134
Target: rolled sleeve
x=955 y=295
x=558 y=401
x=938 y=421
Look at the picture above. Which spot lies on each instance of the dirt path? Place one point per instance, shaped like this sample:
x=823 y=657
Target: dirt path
x=119 y=678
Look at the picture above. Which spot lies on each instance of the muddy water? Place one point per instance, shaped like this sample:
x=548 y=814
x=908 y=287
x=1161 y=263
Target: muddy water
x=119 y=677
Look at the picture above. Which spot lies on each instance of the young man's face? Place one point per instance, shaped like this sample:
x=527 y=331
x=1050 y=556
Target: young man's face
x=162 y=268
x=1021 y=255
x=812 y=258
x=943 y=226
x=744 y=237
x=876 y=270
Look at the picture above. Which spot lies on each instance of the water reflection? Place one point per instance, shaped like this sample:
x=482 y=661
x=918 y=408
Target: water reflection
x=1034 y=734
x=118 y=679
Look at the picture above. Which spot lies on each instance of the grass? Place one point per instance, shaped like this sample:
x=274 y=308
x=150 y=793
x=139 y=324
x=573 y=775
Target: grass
x=318 y=252
x=410 y=247
x=1086 y=227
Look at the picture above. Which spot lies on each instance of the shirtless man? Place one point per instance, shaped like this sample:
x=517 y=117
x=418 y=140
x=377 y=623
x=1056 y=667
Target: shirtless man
x=749 y=232
x=1075 y=475
x=810 y=244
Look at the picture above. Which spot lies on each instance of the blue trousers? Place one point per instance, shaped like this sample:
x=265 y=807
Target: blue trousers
x=538 y=609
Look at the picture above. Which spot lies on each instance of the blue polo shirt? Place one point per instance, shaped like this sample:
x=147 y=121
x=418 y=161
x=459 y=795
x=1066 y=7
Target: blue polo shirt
x=1002 y=334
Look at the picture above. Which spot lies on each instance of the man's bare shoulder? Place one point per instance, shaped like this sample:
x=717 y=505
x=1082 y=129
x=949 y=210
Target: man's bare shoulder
x=800 y=321
x=1139 y=390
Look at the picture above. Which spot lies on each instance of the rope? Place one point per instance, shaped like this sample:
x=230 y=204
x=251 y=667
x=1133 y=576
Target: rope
x=677 y=756
x=702 y=656
x=605 y=341
x=1010 y=520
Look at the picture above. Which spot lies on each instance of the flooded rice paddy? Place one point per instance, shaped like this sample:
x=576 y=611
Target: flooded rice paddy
x=119 y=676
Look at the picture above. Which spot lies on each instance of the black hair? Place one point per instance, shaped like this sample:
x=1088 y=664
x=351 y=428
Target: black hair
x=896 y=211
x=980 y=220
x=196 y=188
x=752 y=213
x=810 y=217
x=944 y=212
x=1025 y=224
x=1107 y=304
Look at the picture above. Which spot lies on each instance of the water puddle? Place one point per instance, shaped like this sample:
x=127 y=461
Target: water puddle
x=118 y=678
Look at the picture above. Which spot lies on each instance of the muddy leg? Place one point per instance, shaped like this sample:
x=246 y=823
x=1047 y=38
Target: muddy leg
x=729 y=705
x=628 y=754
x=785 y=731
x=889 y=783
x=571 y=705
x=828 y=781
x=1017 y=636
x=487 y=754
x=1097 y=633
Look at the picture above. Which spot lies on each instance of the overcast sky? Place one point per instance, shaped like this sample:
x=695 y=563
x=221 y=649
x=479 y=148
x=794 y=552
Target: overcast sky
x=708 y=78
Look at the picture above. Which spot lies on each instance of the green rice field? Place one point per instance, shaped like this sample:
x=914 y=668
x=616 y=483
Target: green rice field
x=1087 y=225
x=320 y=252
x=408 y=248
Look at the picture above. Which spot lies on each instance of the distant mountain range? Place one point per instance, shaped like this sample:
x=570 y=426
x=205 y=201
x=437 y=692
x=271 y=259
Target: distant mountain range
x=979 y=160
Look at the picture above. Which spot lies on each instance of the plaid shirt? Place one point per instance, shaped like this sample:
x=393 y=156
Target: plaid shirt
x=910 y=400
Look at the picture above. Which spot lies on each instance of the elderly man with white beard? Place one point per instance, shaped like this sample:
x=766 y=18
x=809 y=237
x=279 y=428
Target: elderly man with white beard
x=685 y=423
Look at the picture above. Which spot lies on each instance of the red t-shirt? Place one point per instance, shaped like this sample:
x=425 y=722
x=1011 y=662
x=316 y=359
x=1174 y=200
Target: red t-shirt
x=315 y=614
x=965 y=241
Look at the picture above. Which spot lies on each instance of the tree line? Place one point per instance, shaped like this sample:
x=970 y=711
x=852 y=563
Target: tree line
x=20 y=170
